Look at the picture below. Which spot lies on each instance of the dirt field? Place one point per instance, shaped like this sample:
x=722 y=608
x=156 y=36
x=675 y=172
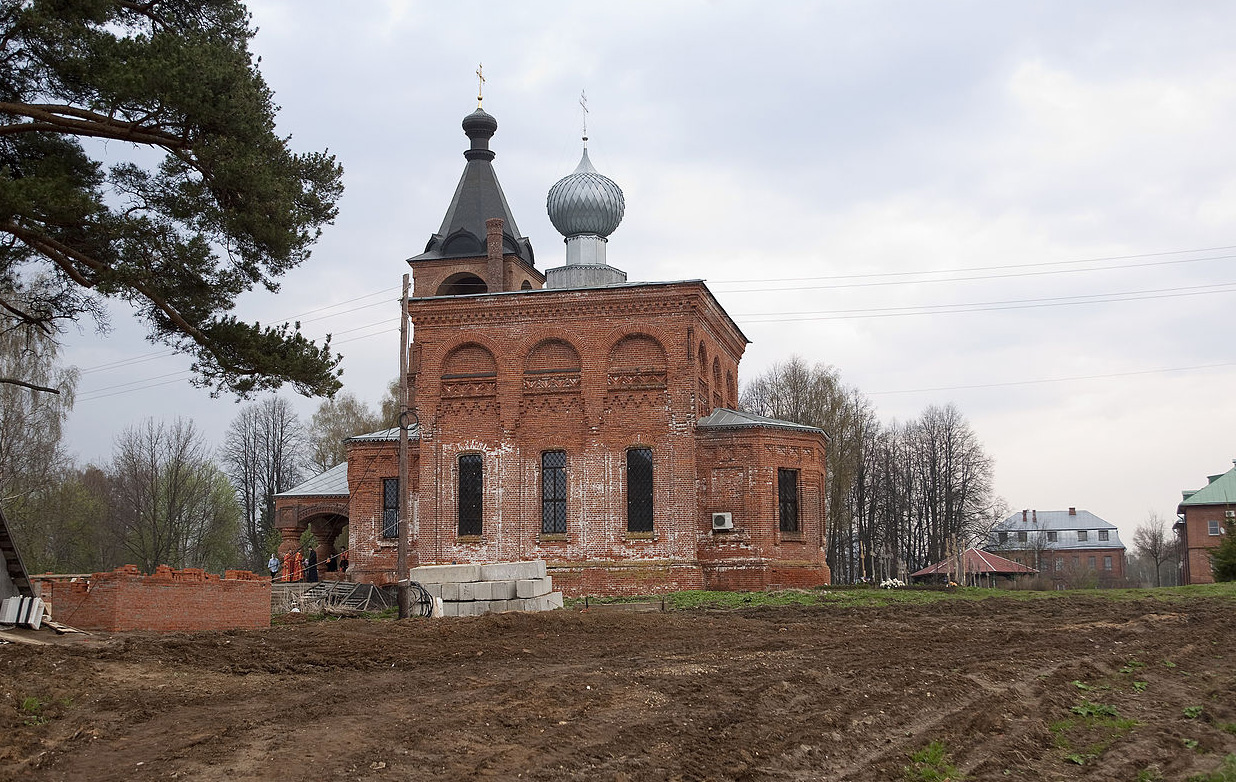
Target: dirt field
x=1063 y=688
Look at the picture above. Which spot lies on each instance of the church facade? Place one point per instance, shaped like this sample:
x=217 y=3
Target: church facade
x=572 y=416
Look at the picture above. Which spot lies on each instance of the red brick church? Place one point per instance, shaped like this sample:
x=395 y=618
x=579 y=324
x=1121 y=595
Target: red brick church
x=572 y=416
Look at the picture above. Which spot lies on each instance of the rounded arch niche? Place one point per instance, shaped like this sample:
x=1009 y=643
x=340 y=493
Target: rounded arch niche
x=637 y=361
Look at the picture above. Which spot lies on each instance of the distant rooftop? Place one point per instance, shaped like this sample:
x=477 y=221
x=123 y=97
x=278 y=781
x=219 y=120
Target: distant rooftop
x=725 y=418
x=1064 y=523
x=414 y=433
x=1221 y=490
x=332 y=483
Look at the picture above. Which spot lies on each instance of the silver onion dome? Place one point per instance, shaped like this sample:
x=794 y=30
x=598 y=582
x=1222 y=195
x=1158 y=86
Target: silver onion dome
x=585 y=202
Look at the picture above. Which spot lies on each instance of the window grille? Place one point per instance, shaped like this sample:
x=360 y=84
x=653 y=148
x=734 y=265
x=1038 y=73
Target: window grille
x=471 y=484
x=1051 y=537
x=787 y=499
x=390 y=507
x=553 y=492
x=1081 y=536
x=1022 y=536
x=1104 y=535
x=639 y=490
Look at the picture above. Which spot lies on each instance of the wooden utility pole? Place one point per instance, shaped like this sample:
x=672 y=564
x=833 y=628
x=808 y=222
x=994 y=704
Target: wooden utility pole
x=401 y=556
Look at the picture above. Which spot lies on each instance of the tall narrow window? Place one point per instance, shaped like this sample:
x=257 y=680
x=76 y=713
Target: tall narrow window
x=553 y=493
x=787 y=499
x=471 y=483
x=639 y=490
x=390 y=507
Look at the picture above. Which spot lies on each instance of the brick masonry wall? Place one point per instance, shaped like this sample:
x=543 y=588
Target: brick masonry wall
x=592 y=373
x=738 y=474
x=167 y=601
x=1199 y=542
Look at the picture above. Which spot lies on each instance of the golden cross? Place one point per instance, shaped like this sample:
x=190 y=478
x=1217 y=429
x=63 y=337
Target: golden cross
x=480 y=84
x=583 y=104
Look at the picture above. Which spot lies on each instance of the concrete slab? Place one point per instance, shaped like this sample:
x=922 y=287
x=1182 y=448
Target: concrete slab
x=534 y=587
x=513 y=571
x=445 y=574
x=502 y=590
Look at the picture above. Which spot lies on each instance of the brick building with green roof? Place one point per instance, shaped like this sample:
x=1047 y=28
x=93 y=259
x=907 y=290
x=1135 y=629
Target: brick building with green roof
x=1203 y=515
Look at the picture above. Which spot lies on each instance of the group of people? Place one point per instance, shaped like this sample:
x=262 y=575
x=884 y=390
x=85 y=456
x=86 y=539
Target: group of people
x=296 y=566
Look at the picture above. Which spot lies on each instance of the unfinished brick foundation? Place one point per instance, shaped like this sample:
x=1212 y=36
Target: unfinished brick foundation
x=168 y=601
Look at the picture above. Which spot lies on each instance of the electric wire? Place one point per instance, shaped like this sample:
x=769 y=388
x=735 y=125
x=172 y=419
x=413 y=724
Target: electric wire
x=1048 y=380
x=789 y=317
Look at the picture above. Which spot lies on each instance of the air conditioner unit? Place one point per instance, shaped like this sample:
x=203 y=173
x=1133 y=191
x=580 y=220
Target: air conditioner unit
x=1231 y=514
x=722 y=521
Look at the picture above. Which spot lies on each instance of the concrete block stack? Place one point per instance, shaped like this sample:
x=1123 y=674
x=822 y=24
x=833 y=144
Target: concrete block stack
x=475 y=589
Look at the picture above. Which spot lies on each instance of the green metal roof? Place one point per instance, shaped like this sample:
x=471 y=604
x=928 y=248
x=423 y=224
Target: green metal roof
x=1220 y=491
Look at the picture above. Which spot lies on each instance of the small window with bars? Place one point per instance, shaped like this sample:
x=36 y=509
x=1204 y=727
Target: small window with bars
x=390 y=507
x=639 y=490
x=471 y=486
x=1051 y=537
x=787 y=499
x=553 y=493
x=1022 y=536
x=1082 y=536
x=1104 y=535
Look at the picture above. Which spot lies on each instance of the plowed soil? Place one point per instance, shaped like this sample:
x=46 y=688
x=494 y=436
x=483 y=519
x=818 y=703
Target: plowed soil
x=1062 y=688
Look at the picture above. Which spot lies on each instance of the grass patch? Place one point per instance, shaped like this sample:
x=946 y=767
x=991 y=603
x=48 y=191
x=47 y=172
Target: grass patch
x=1140 y=686
x=931 y=764
x=867 y=596
x=1192 y=712
x=1090 y=731
x=1226 y=772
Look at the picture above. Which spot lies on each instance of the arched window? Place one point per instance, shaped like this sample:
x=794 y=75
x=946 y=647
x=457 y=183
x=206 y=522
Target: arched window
x=462 y=284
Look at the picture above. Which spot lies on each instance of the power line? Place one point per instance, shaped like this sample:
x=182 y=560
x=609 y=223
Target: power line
x=970 y=279
x=984 y=268
x=1011 y=304
x=1043 y=381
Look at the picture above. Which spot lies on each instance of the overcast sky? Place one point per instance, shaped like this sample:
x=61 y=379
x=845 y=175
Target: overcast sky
x=1028 y=210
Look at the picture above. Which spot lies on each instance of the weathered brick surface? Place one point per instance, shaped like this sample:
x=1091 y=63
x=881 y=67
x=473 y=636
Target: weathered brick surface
x=167 y=601
x=1199 y=544
x=592 y=373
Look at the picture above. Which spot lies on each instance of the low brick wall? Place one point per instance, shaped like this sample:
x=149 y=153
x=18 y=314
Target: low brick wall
x=167 y=601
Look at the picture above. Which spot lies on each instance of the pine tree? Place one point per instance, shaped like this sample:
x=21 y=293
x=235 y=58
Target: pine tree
x=207 y=203
x=1223 y=559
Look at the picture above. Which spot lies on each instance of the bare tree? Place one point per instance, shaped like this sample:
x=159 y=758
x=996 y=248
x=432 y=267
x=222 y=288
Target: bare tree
x=336 y=420
x=36 y=396
x=169 y=503
x=263 y=454
x=1153 y=542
